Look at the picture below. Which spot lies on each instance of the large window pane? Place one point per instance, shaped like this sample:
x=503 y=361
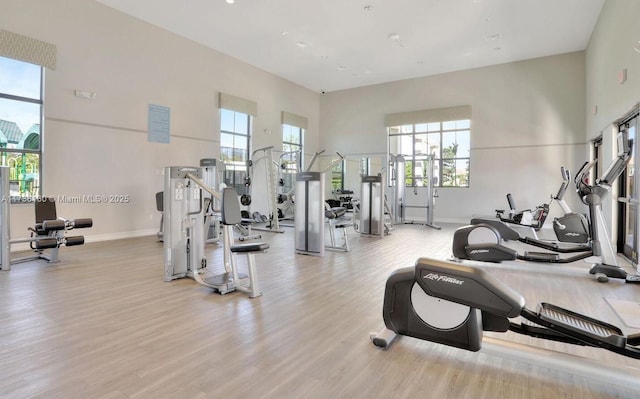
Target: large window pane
x=226 y=120
x=433 y=127
x=449 y=125
x=292 y=139
x=19 y=78
x=421 y=144
x=20 y=116
x=241 y=123
x=462 y=172
x=448 y=142
x=434 y=144
x=17 y=119
x=463 y=139
x=24 y=173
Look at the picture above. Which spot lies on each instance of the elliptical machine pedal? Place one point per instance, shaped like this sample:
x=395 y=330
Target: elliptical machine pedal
x=633 y=279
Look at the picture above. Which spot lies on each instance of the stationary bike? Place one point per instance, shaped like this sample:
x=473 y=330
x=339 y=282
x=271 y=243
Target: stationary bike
x=571 y=227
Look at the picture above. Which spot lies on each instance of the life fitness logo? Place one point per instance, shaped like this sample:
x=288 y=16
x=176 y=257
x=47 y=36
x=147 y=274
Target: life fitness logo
x=443 y=279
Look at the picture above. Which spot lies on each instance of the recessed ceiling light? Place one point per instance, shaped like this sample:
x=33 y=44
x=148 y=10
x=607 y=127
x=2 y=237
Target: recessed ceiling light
x=230 y=1
x=368 y=7
x=341 y=67
x=284 y=33
x=301 y=44
x=394 y=36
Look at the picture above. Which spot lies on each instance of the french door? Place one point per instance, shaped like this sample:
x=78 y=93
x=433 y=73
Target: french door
x=629 y=196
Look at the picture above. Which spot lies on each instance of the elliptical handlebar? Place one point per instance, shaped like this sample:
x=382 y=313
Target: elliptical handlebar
x=566 y=178
x=618 y=166
x=613 y=171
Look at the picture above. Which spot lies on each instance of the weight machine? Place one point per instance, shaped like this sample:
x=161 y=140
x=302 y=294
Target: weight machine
x=310 y=210
x=213 y=176
x=399 y=198
x=289 y=166
x=372 y=209
x=184 y=236
x=46 y=236
x=273 y=224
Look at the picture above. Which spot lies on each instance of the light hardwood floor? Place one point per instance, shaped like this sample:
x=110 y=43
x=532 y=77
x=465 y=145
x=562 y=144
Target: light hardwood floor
x=103 y=324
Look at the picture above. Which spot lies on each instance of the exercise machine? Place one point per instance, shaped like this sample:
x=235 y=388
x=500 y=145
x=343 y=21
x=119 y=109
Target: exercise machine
x=338 y=220
x=270 y=167
x=453 y=304
x=213 y=176
x=371 y=208
x=309 y=221
x=399 y=200
x=184 y=238
x=482 y=240
x=310 y=209
x=47 y=235
x=160 y=208
x=289 y=166
x=571 y=227
x=533 y=218
x=50 y=232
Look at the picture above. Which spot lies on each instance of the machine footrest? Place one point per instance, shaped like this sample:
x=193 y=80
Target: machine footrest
x=541 y=256
x=82 y=223
x=224 y=282
x=46 y=243
x=581 y=326
x=73 y=240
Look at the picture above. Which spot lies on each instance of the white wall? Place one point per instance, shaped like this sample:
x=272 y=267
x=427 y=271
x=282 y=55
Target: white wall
x=528 y=120
x=610 y=51
x=100 y=146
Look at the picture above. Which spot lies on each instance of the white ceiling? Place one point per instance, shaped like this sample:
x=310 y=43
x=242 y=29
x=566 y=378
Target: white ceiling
x=328 y=45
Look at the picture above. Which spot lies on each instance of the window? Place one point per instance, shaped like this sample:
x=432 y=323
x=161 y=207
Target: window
x=446 y=143
x=20 y=126
x=337 y=177
x=291 y=159
x=235 y=139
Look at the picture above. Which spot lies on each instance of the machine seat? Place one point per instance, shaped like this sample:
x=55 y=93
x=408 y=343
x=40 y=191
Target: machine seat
x=250 y=247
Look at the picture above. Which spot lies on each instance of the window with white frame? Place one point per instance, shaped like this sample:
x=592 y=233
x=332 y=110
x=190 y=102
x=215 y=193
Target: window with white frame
x=21 y=103
x=235 y=139
x=235 y=148
x=444 y=138
x=292 y=159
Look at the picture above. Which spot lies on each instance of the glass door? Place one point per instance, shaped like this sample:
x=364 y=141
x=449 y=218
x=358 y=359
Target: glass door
x=628 y=237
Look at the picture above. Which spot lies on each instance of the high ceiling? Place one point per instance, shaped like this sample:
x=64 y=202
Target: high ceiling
x=328 y=45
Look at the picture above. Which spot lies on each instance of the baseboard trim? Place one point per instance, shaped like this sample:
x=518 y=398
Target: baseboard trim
x=119 y=236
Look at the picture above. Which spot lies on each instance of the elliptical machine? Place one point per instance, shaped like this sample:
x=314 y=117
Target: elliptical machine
x=453 y=304
x=482 y=240
x=571 y=227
